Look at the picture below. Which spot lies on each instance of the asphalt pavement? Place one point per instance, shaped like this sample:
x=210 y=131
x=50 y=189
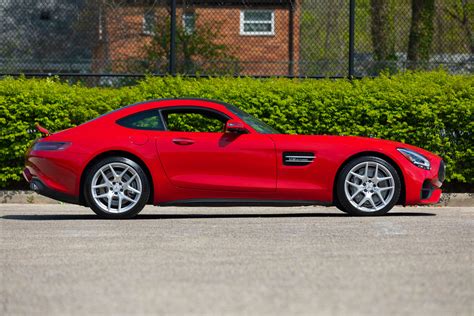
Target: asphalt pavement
x=62 y=259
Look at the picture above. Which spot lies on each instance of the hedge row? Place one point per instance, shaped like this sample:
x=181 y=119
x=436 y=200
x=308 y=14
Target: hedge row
x=432 y=110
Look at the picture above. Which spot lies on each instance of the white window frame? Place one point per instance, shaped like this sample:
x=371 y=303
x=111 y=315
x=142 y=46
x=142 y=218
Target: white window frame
x=145 y=29
x=242 y=22
x=184 y=19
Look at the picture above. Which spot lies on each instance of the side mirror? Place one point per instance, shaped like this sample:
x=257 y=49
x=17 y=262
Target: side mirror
x=233 y=126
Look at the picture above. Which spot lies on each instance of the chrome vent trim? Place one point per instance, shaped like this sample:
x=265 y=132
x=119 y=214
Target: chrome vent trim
x=291 y=158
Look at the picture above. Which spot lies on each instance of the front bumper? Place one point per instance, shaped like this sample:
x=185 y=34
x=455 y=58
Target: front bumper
x=424 y=186
x=431 y=189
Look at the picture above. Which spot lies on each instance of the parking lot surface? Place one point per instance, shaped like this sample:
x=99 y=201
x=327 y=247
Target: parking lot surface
x=62 y=259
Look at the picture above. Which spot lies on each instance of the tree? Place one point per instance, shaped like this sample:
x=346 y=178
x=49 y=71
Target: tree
x=197 y=51
x=38 y=36
x=421 y=32
x=462 y=11
x=382 y=31
x=323 y=38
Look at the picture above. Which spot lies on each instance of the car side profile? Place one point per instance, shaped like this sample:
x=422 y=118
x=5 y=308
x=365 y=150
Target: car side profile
x=203 y=152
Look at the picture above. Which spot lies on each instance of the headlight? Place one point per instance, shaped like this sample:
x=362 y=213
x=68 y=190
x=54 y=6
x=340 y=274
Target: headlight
x=417 y=159
x=51 y=145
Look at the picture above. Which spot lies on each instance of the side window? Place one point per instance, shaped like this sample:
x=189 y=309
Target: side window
x=194 y=120
x=148 y=120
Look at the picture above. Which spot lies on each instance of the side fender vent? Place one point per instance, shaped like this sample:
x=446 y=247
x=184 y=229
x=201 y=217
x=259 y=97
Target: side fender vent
x=292 y=158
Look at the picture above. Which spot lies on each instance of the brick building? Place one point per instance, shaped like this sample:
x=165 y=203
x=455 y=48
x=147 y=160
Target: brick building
x=260 y=36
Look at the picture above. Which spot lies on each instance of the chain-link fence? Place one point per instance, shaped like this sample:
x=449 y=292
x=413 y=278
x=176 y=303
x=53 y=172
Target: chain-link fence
x=295 y=38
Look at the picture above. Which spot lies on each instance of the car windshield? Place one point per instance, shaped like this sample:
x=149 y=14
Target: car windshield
x=256 y=124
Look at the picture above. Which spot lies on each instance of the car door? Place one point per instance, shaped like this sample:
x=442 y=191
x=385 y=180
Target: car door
x=209 y=159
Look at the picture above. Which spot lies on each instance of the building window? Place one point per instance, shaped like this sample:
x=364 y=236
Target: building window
x=149 y=22
x=257 y=22
x=189 y=22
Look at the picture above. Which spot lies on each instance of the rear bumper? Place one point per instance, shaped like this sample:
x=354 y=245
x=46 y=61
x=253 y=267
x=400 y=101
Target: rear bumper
x=51 y=178
x=39 y=187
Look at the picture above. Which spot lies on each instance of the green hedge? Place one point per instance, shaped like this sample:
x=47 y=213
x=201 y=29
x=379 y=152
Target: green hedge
x=432 y=110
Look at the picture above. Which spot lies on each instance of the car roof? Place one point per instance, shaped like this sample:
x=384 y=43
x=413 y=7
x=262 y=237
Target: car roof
x=162 y=103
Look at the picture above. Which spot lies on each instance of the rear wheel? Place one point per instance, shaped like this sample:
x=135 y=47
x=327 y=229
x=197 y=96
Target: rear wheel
x=116 y=187
x=368 y=186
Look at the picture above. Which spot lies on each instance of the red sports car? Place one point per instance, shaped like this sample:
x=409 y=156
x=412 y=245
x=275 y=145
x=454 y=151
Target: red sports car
x=203 y=152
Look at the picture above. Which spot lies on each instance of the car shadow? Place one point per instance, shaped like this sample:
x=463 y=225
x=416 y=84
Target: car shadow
x=68 y=217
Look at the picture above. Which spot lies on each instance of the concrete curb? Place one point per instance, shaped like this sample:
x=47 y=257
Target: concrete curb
x=457 y=199
x=24 y=197
x=30 y=197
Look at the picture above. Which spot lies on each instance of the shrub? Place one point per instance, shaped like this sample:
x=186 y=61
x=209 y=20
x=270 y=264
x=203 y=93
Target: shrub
x=433 y=110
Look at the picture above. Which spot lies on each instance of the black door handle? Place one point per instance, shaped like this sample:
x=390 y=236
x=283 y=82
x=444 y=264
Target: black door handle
x=183 y=141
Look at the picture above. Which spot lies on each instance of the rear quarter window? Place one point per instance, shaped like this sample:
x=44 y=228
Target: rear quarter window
x=146 y=120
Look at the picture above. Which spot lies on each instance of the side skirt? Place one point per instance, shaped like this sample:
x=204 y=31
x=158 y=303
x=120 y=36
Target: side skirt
x=241 y=202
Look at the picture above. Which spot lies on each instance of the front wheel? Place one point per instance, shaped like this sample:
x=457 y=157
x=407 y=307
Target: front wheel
x=368 y=186
x=116 y=187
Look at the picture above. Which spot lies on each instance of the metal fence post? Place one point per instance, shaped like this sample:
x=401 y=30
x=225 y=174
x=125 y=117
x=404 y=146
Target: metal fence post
x=351 y=37
x=172 y=64
x=291 y=45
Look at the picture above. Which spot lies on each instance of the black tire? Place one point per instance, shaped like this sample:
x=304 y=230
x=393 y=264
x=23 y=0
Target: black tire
x=344 y=202
x=139 y=200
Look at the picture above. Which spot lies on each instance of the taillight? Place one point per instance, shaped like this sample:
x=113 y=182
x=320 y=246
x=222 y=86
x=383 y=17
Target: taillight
x=51 y=145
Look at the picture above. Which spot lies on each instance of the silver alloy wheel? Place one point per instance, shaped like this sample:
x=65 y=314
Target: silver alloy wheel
x=369 y=186
x=116 y=187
